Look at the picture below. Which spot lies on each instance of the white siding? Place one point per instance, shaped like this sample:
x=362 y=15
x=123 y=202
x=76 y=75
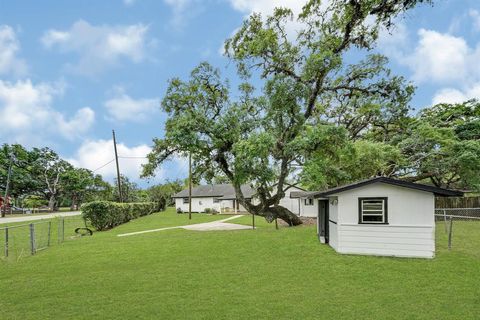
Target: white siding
x=198 y=204
x=410 y=231
x=291 y=204
x=308 y=211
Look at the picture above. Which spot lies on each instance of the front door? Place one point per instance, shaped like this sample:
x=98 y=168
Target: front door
x=322 y=221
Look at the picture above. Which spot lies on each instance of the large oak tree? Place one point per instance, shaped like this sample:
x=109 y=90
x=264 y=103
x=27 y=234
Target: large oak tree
x=261 y=137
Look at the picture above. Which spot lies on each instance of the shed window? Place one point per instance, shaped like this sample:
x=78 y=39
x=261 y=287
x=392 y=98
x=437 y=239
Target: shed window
x=216 y=200
x=373 y=210
x=309 y=202
x=185 y=200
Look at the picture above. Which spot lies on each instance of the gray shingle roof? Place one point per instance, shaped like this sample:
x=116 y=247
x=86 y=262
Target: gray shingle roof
x=221 y=191
x=435 y=190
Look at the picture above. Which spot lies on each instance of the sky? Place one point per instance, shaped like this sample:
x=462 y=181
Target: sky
x=71 y=71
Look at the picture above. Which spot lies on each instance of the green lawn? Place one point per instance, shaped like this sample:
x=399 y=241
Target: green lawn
x=258 y=274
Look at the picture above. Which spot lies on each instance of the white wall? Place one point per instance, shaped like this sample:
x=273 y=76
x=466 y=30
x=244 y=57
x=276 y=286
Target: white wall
x=198 y=204
x=308 y=211
x=410 y=231
x=289 y=203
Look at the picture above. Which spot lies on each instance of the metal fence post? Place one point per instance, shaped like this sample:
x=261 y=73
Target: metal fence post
x=445 y=219
x=253 y=221
x=63 y=229
x=450 y=234
x=49 y=230
x=32 y=238
x=6 y=242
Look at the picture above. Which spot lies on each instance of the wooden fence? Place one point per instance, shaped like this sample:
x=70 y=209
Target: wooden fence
x=457 y=202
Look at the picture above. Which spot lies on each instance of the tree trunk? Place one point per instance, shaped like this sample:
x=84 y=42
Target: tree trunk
x=51 y=202
x=74 y=204
x=286 y=215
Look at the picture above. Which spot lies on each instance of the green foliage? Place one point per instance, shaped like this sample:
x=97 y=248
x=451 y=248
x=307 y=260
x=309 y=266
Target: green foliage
x=161 y=194
x=262 y=136
x=104 y=215
x=42 y=171
x=354 y=161
x=33 y=201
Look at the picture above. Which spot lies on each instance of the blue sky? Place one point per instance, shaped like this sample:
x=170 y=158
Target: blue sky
x=71 y=71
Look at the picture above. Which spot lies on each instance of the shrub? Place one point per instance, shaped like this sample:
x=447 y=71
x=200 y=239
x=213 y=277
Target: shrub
x=104 y=215
x=214 y=211
x=208 y=210
x=179 y=210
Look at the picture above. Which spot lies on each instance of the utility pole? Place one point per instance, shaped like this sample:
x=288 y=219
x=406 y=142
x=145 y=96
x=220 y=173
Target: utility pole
x=119 y=183
x=190 y=186
x=9 y=176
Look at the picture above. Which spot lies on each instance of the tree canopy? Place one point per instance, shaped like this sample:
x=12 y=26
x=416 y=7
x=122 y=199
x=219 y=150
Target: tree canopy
x=263 y=137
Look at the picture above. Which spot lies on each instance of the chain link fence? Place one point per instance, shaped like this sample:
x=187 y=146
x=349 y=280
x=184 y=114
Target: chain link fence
x=463 y=224
x=21 y=240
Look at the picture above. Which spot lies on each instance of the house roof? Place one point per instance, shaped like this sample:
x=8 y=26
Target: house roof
x=422 y=187
x=221 y=191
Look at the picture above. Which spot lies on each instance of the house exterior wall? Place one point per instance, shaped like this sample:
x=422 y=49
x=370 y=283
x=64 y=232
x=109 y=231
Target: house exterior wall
x=308 y=211
x=198 y=204
x=410 y=231
x=291 y=204
x=227 y=206
x=202 y=203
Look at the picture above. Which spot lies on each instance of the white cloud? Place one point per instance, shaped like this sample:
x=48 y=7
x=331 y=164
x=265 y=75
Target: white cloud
x=266 y=6
x=9 y=47
x=122 y=107
x=452 y=95
x=129 y=2
x=182 y=10
x=99 y=47
x=475 y=15
x=28 y=116
x=440 y=58
x=92 y=154
x=389 y=41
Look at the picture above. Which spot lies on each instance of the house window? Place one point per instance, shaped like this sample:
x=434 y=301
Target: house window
x=216 y=200
x=309 y=202
x=185 y=200
x=373 y=210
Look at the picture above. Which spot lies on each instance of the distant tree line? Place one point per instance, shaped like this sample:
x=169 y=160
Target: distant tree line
x=41 y=178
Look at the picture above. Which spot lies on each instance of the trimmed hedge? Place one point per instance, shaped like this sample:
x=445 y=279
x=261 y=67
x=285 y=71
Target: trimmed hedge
x=104 y=215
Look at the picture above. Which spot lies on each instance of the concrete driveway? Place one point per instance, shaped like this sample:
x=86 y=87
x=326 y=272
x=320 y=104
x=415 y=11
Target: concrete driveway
x=207 y=226
x=27 y=217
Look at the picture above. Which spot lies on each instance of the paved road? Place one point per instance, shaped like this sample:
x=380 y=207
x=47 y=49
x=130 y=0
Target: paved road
x=38 y=217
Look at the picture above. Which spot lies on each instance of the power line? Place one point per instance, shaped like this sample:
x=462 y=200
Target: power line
x=132 y=157
x=106 y=164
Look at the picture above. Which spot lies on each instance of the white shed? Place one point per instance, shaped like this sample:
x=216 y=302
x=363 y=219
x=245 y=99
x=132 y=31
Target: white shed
x=379 y=216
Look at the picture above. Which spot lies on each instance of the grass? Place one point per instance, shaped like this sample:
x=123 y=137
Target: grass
x=263 y=274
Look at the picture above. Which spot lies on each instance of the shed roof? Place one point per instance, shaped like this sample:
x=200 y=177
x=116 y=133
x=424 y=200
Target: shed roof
x=221 y=191
x=422 y=187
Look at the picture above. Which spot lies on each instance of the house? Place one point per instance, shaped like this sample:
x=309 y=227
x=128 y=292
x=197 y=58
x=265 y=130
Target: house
x=222 y=198
x=379 y=216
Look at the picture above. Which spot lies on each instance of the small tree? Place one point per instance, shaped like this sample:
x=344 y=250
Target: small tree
x=34 y=202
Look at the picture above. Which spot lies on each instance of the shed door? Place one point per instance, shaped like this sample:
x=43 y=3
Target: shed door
x=322 y=221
